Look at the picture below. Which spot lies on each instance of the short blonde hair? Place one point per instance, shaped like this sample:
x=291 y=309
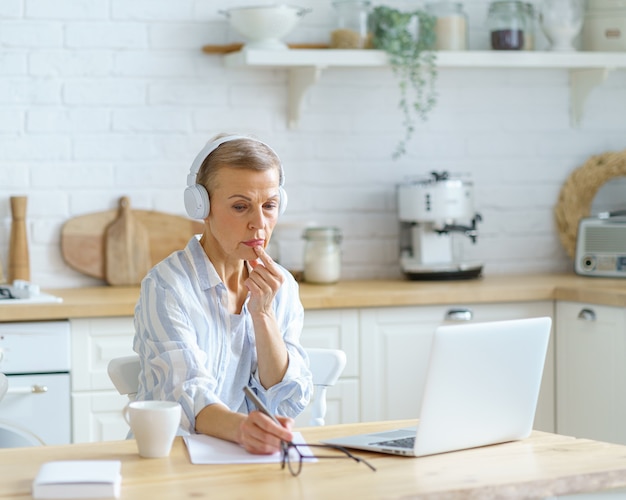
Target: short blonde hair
x=246 y=153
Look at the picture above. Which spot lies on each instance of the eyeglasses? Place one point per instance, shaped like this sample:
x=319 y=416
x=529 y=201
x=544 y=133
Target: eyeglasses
x=293 y=457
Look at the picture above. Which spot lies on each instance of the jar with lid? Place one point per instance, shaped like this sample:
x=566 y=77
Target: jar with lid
x=507 y=21
x=322 y=255
x=450 y=25
x=351 y=26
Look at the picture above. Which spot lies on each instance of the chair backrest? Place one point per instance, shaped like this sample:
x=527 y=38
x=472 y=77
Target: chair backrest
x=124 y=373
x=326 y=367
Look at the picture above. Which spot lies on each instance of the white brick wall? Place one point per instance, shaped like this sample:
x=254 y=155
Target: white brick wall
x=104 y=98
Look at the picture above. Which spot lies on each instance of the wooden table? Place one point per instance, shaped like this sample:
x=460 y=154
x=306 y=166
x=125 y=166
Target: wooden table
x=540 y=466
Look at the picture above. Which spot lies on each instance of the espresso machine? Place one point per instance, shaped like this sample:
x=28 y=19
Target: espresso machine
x=436 y=214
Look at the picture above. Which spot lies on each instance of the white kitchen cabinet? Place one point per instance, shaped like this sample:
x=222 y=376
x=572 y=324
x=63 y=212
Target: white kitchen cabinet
x=591 y=371
x=336 y=329
x=96 y=405
x=387 y=352
x=395 y=346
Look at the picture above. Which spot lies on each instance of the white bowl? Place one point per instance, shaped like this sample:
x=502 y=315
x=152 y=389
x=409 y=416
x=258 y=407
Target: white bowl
x=264 y=26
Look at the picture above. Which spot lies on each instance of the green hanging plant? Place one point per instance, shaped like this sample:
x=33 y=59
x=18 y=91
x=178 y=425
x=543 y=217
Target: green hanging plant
x=407 y=38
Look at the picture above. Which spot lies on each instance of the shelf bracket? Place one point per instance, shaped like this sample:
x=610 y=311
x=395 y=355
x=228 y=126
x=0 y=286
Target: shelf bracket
x=582 y=82
x=300 y=79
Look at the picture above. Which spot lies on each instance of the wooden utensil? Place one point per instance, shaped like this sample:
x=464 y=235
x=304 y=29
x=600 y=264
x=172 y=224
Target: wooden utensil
x=83 y=238
x=127 y=250
x=19 y=261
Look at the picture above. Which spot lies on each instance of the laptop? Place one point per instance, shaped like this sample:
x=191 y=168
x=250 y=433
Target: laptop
x=481 y=388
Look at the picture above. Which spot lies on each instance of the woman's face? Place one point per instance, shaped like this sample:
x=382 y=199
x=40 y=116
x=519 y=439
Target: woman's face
x=244 y=210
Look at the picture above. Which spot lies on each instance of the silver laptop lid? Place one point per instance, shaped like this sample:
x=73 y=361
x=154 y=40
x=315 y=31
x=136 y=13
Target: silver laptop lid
x=482 y=385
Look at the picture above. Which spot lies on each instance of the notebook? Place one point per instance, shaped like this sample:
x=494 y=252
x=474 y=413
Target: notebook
x=78 y=479
x=481 y=388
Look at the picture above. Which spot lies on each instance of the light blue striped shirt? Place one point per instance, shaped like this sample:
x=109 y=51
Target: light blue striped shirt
x=193 y=351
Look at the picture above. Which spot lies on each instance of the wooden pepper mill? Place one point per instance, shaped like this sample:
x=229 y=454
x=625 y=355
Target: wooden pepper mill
x=19 y=263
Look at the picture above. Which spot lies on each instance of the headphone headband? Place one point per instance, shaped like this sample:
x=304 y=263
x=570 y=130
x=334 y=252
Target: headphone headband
x=213 y=145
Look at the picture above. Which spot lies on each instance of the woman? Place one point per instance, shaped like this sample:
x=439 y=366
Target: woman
x=221 y=314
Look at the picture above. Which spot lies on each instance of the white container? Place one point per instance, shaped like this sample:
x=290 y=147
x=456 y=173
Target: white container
x=322 y=255
x=604 y=27
x=561 y=21
x=265 y=25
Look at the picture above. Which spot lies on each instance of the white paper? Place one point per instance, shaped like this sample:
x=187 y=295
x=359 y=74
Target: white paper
x=209 y=450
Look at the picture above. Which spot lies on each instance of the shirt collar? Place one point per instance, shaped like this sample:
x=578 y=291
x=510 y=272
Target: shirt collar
x=205 y=270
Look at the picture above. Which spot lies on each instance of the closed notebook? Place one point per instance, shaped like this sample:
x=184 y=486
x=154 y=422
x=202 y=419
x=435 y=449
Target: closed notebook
x=78 y=479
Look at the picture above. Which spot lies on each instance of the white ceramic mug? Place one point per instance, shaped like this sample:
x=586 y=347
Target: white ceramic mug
x=154 y=425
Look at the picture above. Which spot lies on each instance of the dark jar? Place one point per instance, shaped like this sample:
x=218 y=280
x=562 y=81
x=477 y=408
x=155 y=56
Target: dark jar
x=507 y=22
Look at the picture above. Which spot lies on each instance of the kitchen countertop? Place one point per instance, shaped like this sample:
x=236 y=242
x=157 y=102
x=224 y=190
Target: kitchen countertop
x=106 y=301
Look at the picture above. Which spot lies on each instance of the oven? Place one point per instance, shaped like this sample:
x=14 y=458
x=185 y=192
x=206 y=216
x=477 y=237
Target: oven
x=35 y=357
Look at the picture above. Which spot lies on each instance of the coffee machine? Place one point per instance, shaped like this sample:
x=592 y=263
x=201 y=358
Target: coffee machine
x=435 y=212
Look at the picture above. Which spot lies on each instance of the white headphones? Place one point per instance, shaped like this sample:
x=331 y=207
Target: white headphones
x=197 y=201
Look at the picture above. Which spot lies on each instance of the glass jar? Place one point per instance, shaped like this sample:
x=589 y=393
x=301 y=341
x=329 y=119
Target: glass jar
x=450 y=25
x=506 y=21
x=351 y=30
x=530 y=29
x=322 y=255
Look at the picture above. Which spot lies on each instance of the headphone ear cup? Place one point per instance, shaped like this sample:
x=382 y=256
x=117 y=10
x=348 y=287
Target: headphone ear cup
x=197 y=201
x=283 y=200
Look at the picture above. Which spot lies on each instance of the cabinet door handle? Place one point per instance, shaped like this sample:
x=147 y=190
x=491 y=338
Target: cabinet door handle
x=33 y=389
x=587 y=314
x=460 y=314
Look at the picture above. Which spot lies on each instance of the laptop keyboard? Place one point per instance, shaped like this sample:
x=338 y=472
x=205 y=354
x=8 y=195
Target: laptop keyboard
x=407 y=442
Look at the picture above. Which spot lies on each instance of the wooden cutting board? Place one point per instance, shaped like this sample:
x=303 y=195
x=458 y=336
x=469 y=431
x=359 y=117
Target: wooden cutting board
x=84 y=242
x=127 y=248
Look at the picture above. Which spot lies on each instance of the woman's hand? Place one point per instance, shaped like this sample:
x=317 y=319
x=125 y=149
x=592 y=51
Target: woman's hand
x=264 y=281
x=258 y=434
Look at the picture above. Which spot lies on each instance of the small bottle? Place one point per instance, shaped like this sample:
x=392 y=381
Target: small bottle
x=322 y=255
x=450 y=25
x=507 y=21
x=351 y=30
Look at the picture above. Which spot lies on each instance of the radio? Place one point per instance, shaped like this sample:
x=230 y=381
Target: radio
x=601 y=246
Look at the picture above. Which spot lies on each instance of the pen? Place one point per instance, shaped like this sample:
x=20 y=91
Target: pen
x=259 y=404
x=263 y=409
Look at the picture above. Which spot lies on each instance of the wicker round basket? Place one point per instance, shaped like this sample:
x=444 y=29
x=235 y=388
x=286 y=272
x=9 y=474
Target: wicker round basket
x=579 y=190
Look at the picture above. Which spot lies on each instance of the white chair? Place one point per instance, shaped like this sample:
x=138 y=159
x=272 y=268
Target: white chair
x=124 y=373
x=326 y=367
x=4 y=385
